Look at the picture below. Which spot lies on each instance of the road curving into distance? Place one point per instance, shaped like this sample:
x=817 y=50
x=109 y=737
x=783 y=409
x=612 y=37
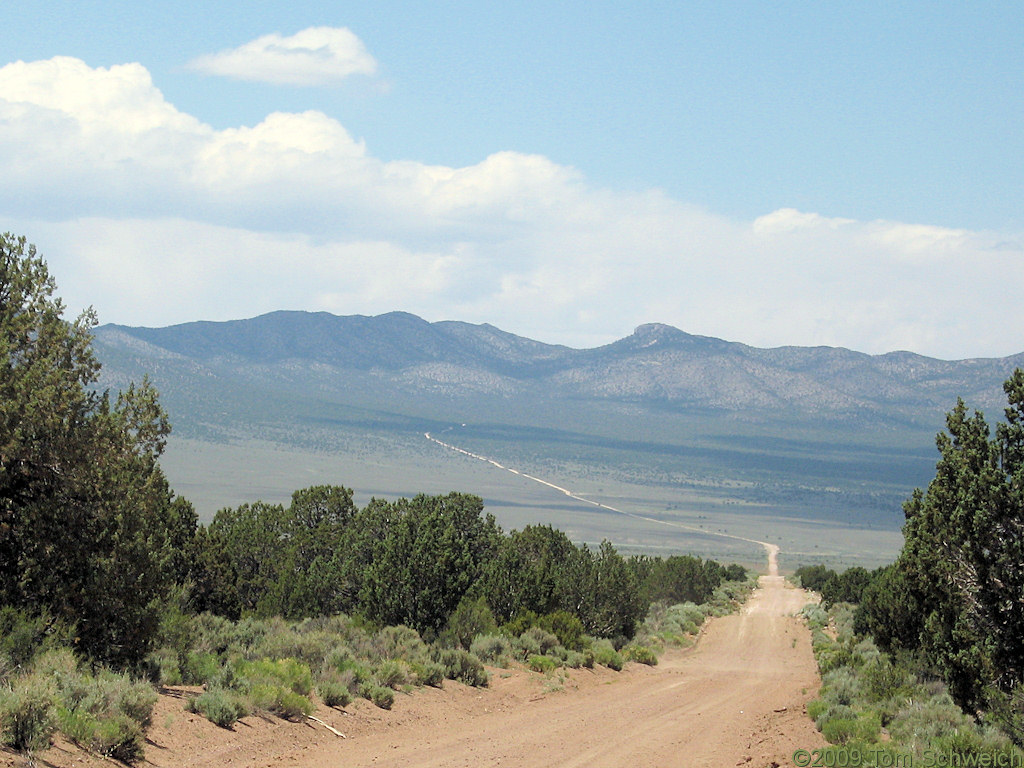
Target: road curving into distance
x=771 y=550
x=737 y=698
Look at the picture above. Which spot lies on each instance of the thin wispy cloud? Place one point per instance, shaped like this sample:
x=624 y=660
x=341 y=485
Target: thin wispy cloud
x=313 y=57
x=155 y=217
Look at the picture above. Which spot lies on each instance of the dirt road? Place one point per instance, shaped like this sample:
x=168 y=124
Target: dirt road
x=736 y=698
x=771 y=550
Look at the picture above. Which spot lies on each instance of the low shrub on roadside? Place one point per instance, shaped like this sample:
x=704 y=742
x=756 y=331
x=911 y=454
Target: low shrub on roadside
x=606 y=655
x=869 y=699
x=200 y=667
x=816 y=709
x=112 y=734
x=863 y=728
x=281 y=687
x=640 y=654
x=164 y=667
x=27 y=714
x=576 y=659
x=492 y=649
x=57 y=666
x=106 y=712
x=103 y=711
x=881 y=679
x=391 y=673
x=333 y=693
x=119 y=737
x=287 y=673
x=382 y=697
x=462 y=666
x=540 y=638
x=543 y=664
x=397 y=643
x=219 y=706
x=428 y=673
x=524 y=646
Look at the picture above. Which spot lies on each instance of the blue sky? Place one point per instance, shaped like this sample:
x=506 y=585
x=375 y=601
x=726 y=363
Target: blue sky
x=773 y=173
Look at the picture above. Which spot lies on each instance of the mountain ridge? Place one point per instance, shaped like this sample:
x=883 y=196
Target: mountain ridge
x=645 y=334
x=691 y=424
x=657 y=363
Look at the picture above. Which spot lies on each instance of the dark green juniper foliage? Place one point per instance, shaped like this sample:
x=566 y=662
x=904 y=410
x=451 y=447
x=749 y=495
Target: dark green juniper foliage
x=617 y=605
x=414 y=559
x=256 y=542
x=88 y=526
x=534 y=570
x=435 y=563
x=957 y=590
x=845 y=587
x=91 y=534
x=814 y=577
x=681 y=578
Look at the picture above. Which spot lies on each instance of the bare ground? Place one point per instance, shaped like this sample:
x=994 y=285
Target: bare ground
x=737 y=698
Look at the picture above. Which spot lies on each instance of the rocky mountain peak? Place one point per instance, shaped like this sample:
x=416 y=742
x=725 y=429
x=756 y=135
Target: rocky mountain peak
x=652 y=333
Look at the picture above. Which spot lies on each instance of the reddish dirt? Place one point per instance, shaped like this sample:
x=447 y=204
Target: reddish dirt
x=737 y=698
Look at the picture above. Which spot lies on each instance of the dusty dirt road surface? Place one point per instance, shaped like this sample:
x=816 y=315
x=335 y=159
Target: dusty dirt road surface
x=737 y=698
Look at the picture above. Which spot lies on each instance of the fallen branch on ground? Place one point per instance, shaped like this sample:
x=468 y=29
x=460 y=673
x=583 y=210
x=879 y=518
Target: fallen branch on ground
x=333 y=730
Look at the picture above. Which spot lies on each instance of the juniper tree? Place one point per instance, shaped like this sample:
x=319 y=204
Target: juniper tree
x=88 y=524
x=956 y=592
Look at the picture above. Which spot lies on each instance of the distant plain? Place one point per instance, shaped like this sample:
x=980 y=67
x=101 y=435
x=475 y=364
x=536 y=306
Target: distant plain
x=814 y=449
x=840 y=526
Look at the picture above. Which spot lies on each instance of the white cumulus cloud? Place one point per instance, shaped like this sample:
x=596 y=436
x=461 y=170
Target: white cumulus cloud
x=314 y=56
x=155 y=217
